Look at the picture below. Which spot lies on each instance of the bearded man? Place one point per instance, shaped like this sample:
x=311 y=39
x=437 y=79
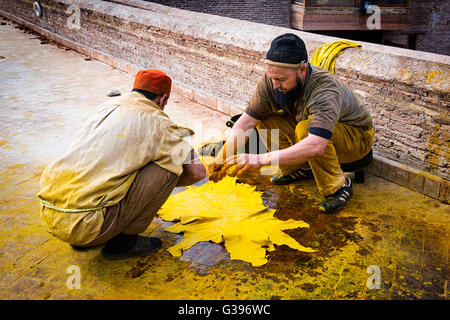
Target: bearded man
x=320 y=122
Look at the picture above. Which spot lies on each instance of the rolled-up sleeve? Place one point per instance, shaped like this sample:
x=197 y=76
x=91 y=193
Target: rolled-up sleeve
x=323 y=110
x=259 y=106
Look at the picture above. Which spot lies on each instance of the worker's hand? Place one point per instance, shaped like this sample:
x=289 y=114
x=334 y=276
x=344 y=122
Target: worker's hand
x=216 y=171
x=243 y=162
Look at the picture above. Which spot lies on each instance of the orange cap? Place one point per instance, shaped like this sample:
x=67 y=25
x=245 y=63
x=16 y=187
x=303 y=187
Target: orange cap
x=154 y=81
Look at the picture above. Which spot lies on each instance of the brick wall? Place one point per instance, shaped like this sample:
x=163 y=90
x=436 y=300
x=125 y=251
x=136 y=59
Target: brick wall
x=217 y=61
x=272 y=12
x=429 y=19
x=430 y=24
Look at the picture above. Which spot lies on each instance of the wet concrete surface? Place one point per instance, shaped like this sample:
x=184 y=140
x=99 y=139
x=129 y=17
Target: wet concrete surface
x=46 y=94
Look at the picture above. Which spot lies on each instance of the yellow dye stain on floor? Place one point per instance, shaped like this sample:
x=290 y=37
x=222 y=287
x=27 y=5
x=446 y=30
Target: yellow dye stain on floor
x=4 y=144
x=232 y=213
x=27 y=115
x=13 y=99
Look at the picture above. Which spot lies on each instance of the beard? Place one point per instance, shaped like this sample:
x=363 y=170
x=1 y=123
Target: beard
x=286 y=101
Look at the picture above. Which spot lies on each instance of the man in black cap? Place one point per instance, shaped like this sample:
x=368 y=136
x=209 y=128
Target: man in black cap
x=314 y=123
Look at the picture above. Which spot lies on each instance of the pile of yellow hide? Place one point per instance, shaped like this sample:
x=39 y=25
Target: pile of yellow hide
x=228 y=212
x=325 y=56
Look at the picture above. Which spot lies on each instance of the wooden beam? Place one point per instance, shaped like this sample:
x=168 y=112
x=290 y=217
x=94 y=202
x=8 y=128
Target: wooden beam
x=348 y=22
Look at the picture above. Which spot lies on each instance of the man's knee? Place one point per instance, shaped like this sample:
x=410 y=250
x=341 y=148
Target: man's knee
x=301 y=130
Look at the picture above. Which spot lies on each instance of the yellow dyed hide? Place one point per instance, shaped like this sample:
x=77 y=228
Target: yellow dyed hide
x=232 y=213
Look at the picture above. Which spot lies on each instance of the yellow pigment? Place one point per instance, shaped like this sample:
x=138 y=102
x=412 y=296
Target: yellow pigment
x=4 y=144
x=431 y=76
x=232 y=213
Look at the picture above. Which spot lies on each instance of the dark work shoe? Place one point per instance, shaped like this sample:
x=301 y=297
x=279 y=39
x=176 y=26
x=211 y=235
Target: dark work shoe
x=131 y=246
x=300 y=174
x=338 y=199
x=79 y=248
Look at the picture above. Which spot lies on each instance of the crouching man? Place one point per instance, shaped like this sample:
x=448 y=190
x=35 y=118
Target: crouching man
x=109 y=185
x=319 y=124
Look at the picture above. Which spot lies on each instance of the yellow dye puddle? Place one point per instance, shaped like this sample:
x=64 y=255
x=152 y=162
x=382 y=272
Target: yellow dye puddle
x=232 y=213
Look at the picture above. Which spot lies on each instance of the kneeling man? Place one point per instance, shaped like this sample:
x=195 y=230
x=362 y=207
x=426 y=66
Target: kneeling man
x=110 y=183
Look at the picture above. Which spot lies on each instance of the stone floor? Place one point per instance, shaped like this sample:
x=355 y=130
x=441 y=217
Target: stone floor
x=46 y=94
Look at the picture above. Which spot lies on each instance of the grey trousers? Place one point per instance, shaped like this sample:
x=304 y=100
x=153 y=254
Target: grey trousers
x=134 y=213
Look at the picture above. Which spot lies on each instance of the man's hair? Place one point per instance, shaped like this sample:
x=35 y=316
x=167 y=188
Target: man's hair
x=147 y=94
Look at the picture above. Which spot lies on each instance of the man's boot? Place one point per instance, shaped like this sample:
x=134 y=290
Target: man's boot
x=338 y=199
x=300 y=174
x=124 y=246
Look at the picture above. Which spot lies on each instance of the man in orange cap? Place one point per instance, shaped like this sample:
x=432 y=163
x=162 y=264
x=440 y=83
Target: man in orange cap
x=109 y=185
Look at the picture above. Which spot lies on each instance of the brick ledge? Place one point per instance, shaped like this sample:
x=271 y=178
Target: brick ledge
x=414 y=179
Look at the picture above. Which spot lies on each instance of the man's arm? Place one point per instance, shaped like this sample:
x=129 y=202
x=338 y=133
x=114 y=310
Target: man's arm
x=235 y=141
x=304 y=150
x=193 y=171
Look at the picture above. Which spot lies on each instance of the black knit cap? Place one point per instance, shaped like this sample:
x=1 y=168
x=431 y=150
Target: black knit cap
x=287 y=48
